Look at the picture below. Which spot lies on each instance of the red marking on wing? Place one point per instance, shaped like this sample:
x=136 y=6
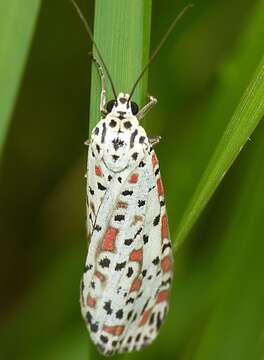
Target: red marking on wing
x=162 y=296
x=164 y=227
x=160 y=187
x=166 y=263
x=109 y=239
x=98 y=171
x=136 y=285
x=100 y=276
x=121 y=205
x=154 y=160
x=145 y=317
x=133 y=179
x=136 y=255
x=90 y=301
x=114 y=330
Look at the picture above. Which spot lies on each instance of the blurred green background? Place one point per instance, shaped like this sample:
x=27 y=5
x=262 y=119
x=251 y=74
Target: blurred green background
x=199 y=77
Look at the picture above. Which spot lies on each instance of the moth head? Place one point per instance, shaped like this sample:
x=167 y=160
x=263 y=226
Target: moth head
x=121 y=107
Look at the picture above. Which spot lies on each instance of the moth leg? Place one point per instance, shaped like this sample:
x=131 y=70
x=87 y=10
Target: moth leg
x=153 y=140
x=142 y=112
x=103 y=91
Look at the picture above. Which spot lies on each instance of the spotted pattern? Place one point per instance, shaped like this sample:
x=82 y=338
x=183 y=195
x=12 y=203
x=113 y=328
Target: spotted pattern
x=127 y=277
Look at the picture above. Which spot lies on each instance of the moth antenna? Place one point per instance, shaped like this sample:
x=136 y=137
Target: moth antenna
x=89 y=32
x=160 y=45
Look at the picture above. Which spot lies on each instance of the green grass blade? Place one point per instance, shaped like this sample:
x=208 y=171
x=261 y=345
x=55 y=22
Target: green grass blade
x=124 y=43
x=243 y=122
x=17 y=23
x=235 y=323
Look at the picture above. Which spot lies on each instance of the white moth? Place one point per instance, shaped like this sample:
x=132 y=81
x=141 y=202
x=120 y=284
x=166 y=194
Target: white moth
x=127 y=279
x=128 y=271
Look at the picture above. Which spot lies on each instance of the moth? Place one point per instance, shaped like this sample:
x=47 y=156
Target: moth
x=126 y=284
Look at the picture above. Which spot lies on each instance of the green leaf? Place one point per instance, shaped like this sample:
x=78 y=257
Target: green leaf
x=243 y=122
x=17 y=23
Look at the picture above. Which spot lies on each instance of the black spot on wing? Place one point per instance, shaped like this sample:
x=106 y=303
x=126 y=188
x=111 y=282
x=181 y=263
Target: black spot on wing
x=104 y=339
x=151 y=320
x=120 y=266
x=135 y=156
x=128 y=242
x=129 y=272
x=103 y=133
x=165 y=246
x=101 y=187
x=145 y=238
x=129 y=314
x=159 y=321
x=127 y=192
x=129 y=339
x=88 y=317
x=156 y=220
x=119 y=217
x=117 y=143
x=119 y=314
x=141 y=203
x=107 y=307
x=88 y=267
x=157 y=171
x=144 y=272
x=130 y=301
x=138 y=337
x=145 y=305
x=115 y=157
x=142 y=139
x=105 y=262
x=138 y=232
x=94 y=327
x=167 y=282
x=140 y=294
x=132 y=138
x=156 y=261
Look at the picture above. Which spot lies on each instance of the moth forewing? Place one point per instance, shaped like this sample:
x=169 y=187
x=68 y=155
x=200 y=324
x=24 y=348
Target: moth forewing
x=126 y=284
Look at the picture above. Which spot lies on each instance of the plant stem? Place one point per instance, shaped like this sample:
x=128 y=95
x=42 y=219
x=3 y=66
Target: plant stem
x=122 y=33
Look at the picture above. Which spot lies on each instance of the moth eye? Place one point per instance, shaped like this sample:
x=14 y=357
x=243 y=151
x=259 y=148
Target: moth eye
x=134 y=108
x=110 y=105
